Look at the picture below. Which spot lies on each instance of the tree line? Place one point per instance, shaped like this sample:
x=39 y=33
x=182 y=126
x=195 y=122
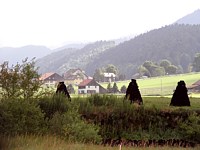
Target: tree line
x=149 y=69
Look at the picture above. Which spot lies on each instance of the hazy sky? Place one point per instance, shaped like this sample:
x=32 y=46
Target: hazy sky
x=53 y=23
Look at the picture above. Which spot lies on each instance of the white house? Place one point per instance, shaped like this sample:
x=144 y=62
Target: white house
x=90 y=86
x=109 y=77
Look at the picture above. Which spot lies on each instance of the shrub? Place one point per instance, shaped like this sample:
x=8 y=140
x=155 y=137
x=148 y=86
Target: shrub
x=19 y=116
x=51 y=105
x=64 y=120
x=190 y=128
x=70 y=126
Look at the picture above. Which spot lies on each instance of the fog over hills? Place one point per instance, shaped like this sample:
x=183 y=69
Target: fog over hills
x=14 y=55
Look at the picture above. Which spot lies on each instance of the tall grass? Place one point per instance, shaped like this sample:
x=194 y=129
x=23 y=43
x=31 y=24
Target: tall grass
x=34 y=142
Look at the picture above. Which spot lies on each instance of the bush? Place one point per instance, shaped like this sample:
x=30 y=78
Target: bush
x=19 y=116
x=190 y=128
x=70 y=126
x=51 y=105
x=64 y=120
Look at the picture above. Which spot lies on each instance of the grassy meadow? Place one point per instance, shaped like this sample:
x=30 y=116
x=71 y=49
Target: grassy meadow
x=161 y=86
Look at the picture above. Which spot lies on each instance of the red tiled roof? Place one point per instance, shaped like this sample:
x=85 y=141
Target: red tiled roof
x=46 y=75
x=85 y=82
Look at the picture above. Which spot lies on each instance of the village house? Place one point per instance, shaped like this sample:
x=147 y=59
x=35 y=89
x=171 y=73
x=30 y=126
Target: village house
x=195 y=87
x=109 y=77
x=51 y=79
x=90 y=86
x=74 y=76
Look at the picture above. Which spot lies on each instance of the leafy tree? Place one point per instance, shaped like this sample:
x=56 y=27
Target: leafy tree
x=9 y=80
x=196 y=63
x=21 y=80
x=29 y=78
x=115 y=88
x=143 y=71
x=123 y=89
x=171 y=69
x=111 y=69
x=148 y=65
x=153 y=69
x=165 y=63
x=157 y=71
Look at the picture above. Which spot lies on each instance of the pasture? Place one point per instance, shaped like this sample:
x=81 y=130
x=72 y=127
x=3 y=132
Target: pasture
x=160 y=86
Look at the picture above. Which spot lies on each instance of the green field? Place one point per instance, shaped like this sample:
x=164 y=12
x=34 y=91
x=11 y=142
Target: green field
x=160 y=85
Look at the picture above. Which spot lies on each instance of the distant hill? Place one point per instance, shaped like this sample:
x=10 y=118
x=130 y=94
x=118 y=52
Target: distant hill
x=14 y=55
x=63 y=60
x=192 y=19
x=177 y=43
x=68 y=46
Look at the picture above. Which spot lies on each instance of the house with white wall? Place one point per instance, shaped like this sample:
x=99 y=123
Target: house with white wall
x=90 y=86
x=109 y=77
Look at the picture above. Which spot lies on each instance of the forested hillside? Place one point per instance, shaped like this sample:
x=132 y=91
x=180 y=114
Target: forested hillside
x=177 y=43
x=65 y=59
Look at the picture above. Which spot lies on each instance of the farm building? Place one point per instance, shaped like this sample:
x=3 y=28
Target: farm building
x=109 y=77
x=90 y=86
x=195 y=87
x=51 y=79
x=74 y=76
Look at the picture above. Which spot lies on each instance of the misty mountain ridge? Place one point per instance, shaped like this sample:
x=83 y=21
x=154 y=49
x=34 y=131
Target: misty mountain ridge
x=63 y=60
x=192 y=19
x=16 y=55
